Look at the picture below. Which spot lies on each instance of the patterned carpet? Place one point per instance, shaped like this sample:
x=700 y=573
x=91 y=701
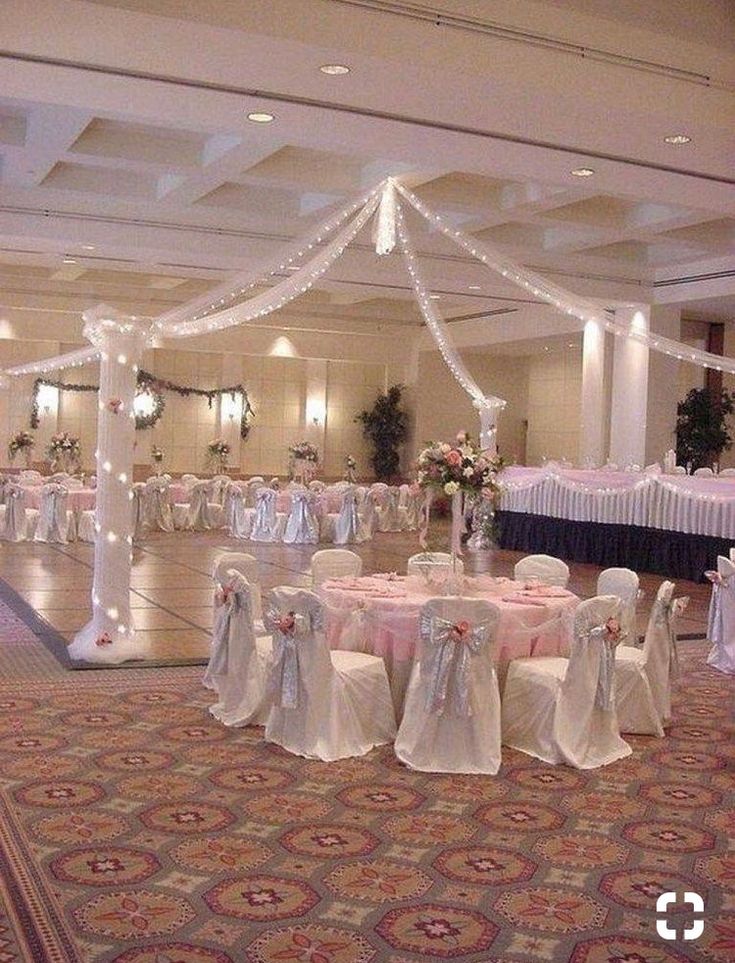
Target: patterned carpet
x=135 y=829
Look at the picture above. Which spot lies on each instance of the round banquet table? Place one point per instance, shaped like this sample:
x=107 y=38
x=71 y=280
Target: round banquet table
x=78 y=499
x=379 y=614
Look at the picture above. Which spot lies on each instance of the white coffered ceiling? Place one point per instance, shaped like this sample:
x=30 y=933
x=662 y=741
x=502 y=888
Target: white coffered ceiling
x=130 y=174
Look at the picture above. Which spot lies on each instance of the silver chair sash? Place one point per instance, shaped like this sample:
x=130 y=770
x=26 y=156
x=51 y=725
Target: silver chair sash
x=715 y=618
x=347 y=522
x=199 y=517
x=288 y=629
x=139 y=510
x=52 y=520
x=447 y=650
x=302 y=526
x=229 y=602
x=610 y=634
x=15 y=513
x=265 y=521
x=665 y=615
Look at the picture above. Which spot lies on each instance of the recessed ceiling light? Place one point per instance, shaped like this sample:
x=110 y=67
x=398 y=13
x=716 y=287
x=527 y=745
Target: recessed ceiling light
x=69 y=260
x=260 y=117
x=677 y=139
x=473 y=287
x=582 y=172
x=335 y=70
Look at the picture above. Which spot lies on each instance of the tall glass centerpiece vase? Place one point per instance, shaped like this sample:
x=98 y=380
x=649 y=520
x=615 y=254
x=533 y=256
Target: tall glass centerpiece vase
x=459 y=471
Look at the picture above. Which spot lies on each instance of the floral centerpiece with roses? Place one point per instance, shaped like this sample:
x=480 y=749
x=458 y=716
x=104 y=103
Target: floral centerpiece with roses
x=460 y=470
x=64 y=451
x=305 y=451
x=21 y=441
x=303 y=459
x=217 y=452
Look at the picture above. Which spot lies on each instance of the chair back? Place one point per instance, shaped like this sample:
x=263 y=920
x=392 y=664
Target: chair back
x=199 y=518
x=251 y=489
x=220 y=483
x=721 y=621
x=624 y=583
x=317 y=486
x=189 y=480
x=158 y=505
x=680 y=470
x=15 y=514
x=347 y=522
x=59 y=477
x=546 y=568
x=301 y=668
x=334 y=563
x=659 y=647
x=703 y=473
x=139 y=510
x=247 y=566
x=233 y=634
x=302 y=525
x=434 y=566
x=591 y=670
x=453 y=632
x=30 y=477
x=53 y=520
x=265 y=522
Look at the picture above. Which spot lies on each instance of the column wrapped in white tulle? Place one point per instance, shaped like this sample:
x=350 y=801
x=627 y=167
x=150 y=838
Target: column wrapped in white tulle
x=110 y=634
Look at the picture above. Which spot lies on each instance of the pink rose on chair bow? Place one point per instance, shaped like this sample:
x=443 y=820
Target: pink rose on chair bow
x=223 y=592
x=115 y=405
x=714 y=577
x=613 y=629
x=103 y=640
x=459 y=632
x=286 y=623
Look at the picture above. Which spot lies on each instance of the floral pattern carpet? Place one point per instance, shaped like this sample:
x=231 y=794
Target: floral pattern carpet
x=135 y=829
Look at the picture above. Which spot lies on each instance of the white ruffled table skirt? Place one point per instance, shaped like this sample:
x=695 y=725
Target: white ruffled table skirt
x=694 y=505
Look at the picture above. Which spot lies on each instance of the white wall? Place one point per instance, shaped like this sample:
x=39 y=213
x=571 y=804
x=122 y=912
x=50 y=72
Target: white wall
x=554 y=394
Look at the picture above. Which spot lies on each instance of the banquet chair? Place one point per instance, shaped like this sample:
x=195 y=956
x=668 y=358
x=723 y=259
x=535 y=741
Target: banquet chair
x=59 y=477
x=389 y=519
x=624 y=583
x=334 y=563
x=159 y=514
x=316 y=486
x=252 y=486
x=643 y=676
x=302 y=524
x=238 y=518
x=275 y=483
x=219 y=485
x=721 y=620
x=343 y=527
x=433 y=565
x=239 y=662
x=451 y=718
x=326 y=704
x=18 y=522
x=56 y=522
x=268 y=523
x=29 y=477
x=188 y=479
x=203 y=514
x=679 y=470
x=547 y=569
x=703 y=472
x=247 y=566
x=367 y=511
x=562 y=711
x=727 y=472
x=411 y=509
x=139 y=511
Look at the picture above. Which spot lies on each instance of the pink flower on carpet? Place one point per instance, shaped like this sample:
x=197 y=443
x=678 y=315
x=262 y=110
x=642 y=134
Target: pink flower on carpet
x=261 y=897
x=438 y=929
x=315 y=951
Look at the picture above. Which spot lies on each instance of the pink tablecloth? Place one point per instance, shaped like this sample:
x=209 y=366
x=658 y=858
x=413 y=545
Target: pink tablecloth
x=79 y=499
x=328 y=501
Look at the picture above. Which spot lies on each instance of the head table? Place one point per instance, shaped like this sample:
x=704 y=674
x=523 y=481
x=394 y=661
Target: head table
x=379 y=614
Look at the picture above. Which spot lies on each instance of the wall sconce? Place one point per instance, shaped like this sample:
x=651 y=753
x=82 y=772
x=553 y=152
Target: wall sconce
x=48 y=398
x=316 y=411
x=231 y=407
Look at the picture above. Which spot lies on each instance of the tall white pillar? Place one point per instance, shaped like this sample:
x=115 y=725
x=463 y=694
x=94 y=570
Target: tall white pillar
x=110 y=634
x=629 y=406
x=592 y=416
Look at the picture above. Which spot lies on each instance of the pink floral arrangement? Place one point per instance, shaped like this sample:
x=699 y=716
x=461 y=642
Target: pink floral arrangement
x=462 y=466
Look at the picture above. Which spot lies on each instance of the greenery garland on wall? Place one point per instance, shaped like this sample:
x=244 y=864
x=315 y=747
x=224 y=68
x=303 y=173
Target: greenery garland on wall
x=155 y=387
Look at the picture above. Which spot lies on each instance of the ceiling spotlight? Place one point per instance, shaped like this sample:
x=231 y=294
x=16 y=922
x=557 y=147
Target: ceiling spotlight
x=260 y=117
x=677 y=139
x=582 y=172
x=335 y=70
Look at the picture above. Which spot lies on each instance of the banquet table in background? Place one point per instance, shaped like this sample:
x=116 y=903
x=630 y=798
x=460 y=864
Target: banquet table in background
x=672 y=525
x=379 y=614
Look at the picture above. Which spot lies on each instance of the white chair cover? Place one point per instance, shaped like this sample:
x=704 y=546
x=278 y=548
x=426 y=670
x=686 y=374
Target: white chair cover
x=334 y=563
x=29 y=477
x=368 y=512
x=247 y=566
x=388 y=516
x=413 y=506
x=546 y=568
x=703 y=473
x=624 y=583
x=680 y=470
x=302 y=526
x=251 y=490
x=139 y=511
x=721 y=622
x=326 y=705
x=199 y=517
x=55 y=523
x=238 y=664
x=451 y=719
x=563 y=710
x=268 y=524
x=346 y=522
x=727 y=472
x=643 y=676
x=317 y=487
x=220 y=483
x=14 y=513
x=189 y=480
x=157 y=505
x=436 y=569
x=238 y=518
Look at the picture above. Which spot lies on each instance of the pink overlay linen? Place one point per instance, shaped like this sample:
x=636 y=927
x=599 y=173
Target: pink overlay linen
x=324 y=503
x=388 y=625
x=178 y=494
x=78 y=499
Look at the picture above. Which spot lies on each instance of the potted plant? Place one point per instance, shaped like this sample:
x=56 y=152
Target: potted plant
x=702 y=432
x=385 y=425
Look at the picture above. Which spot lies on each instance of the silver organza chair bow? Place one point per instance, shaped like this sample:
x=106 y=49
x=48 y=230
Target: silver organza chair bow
x=343 y=527
x=239 y=662
x=624 y=583
x=268 y=522
x=238 y=518
x=55 y=521
x=563 y=710
x=302 y=525
x=203 y=513
x=721 y=621
x=643 y=677
x=325 y=704
x=220 y=484
x=159 y=514
x=18 y=522
x=451 y=718
x=247 y=566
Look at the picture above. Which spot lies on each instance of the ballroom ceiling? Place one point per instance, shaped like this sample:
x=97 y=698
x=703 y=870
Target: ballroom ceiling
x=130 y=173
